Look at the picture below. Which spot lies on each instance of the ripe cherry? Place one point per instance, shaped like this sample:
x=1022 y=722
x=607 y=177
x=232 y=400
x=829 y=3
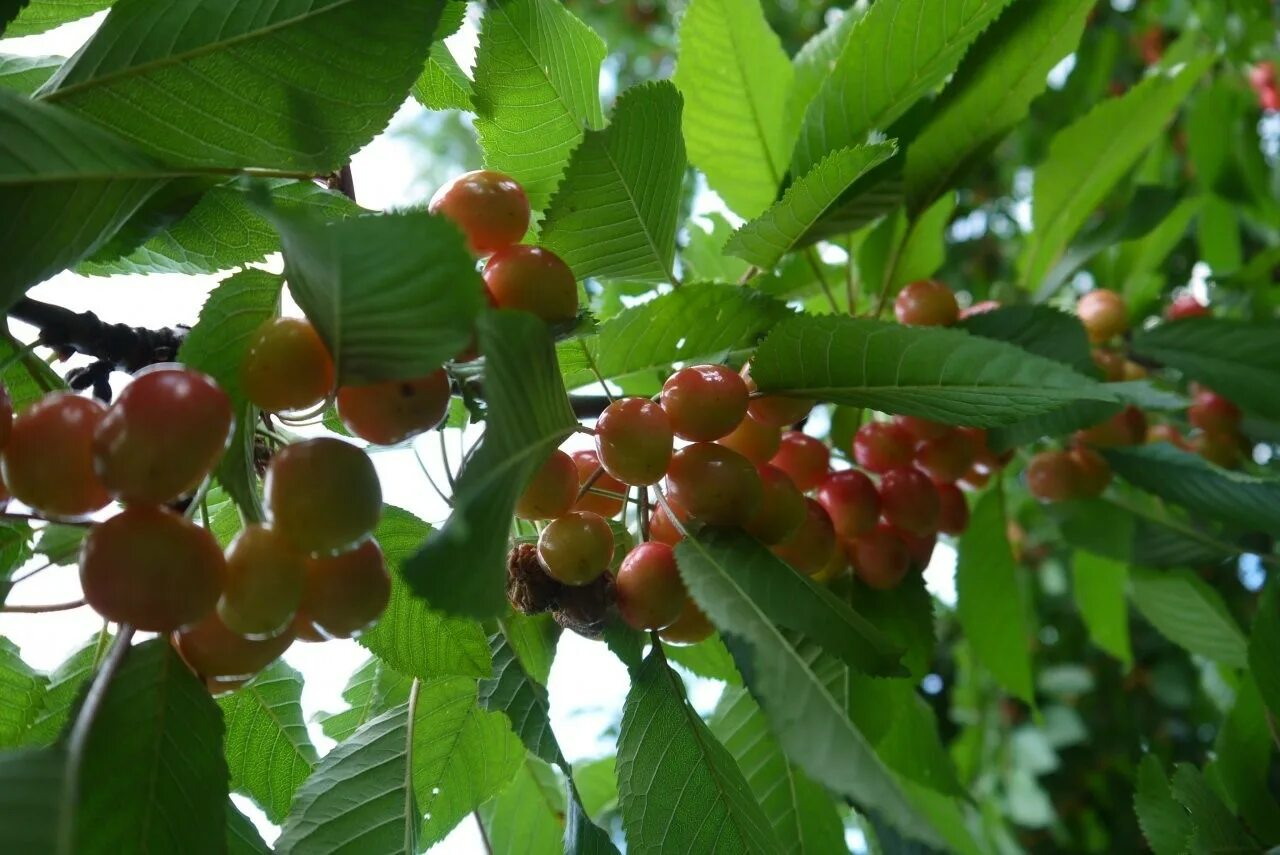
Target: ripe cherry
x=634 y=441
x=881 y=446
x=715 y=484
x=1167 y=433
x=1103 y=314
x=690 y=628
x=803 y=458
x=532 y=279
x=754 y=440
x=651 y=594
x=346 y=593
x=287 y=366
x=1262 y=75
x=782 y=507
x=926 y=303
x=1127 y=427
x=1213 y=413
x=151 y=568
x=391 y=412
x=6 y=415
x=216 y=653
x=776 y=410
x=852 y=502
x=879 y=558
x=162 y=436
x=1110 y=363
x=552 y=490
x=1186 y=306
x=322 y=494
x=491 y=209
x=1053 y=476
x=263 y=585
x=48 y=460
x=1093 y=473
x=946 y=459
x=809 y=549
x=909 y=501
x=704 y=402
x=662 y=529
x=922 y=429
x=576 y=548
x=587 y=462
x=953 y=514
x=1221 y=449
x=919 y=548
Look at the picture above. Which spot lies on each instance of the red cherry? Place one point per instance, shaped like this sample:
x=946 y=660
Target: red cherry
x=926 y=303
x=1110 y=363
x=881 y=446
x=715 y=484
x=809 y=549
x=634 y=441
x=263 y=586
x=491 y=209
x=6 y=415
x=1127 y=427
x=552 y=490
x=803 y=458
x=48 y=460
x=287 y=366
x=782 y=507
x=879 y=558
x=704 y=402
x=576 y=548
x=946 y=459
x=393 y=411
x=1269 y=99
x=1262 y=75
x=922 y=429
x=1093 y=473
x=216 y=653
x=587 y=462
x=1186 y=306
x=1213 y=413
x=323 y=494
x=1053 y=476
x=1103 y=314
x=953 y=516
x=651 y=594
x=909 y=501
x=852 y=502
x=690 y=628
x=1220 y=449
x=532 y=279
x=919 y=549
x=662 y=529
x=346 y=593
x=754 y=440
x=776 y=410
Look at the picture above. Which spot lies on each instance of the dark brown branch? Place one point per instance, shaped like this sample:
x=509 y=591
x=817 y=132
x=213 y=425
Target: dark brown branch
x=588 y=406
x=116 y=346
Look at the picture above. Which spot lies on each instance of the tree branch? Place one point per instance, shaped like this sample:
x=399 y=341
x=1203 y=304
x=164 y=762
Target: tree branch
x=116 y=346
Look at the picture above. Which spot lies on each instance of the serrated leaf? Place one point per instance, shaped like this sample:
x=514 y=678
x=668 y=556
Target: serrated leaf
x=677 y=786
x=902 y=727
x=523 y=700
x=1099 y=587
x=1149 y=535
x=813 y=64
x=1243 y=750
x=528 y=816
x=905 y=615
x=26 y=379
x=373 y=689
x=533 y=640
x=1037 y=329
x=780 y=229
x=461 y=569
x=1087 y=159
x=442 y=84
x=1264 y=641
x=735 y=76
x=1216 y=828
x=1060 y=422
x=25 y=74
x=171 y=77
x=895 y=54
x=15 y=551
x=703 y=258
x=1164 y=822
x=614 y=215
x=21 y=694
x=536 y=89
x=37 y=16
x=1188 y=612
x=393 y=295
x=60 y=543
x=938 y=374
x=61 y=692
x=411 y=637
x=269 y=753
x=708 y=658
x=581 y=835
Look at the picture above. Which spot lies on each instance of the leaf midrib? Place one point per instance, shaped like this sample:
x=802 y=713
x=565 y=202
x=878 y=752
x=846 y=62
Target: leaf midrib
x=535 y=61
x=644 y=226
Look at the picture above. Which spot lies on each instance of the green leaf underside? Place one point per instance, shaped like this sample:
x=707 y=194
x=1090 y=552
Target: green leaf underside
x=25 y=74
x=1188 y=612
x=522 y=699
x=31 y=784
x=39 y=16
x=21 y=694
x=1140 y=534
x=61 y=694
x=1037 y=329
x=242 y=836
x=1164 y=822
x=443 y=85
x=1099 y=585
x=528 y=816
x=371 y=691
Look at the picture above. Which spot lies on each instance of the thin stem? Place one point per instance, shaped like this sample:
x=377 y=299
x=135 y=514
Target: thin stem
x=890 y=271
x=850 y=280
x=591 y=363
x=444 y=459
x=811 y=256
x=411 y=826
x=591 y=480
x=42 y=609
x=752 y=272
x=422 y=464
x=670 y=512
x=197 y=501
x=644 y=513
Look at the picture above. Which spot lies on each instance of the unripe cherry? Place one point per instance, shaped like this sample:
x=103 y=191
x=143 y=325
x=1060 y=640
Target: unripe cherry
x=393 y=411
x=287 y=366
x=216 y=653
x=322 y=494
x=532 y=279
x=776 y=410
x=852 y=501
x=879 y=558
x=48 y=460
x=489 y=207
x=704 y=402
x=576 y=548
x=552 y=490
x=881 y=446
x=715 y=484
x=634 y=441
x=953 y=513
x=1103 y=314
x=926 y=303
x=1186 y=306
x=922 y=429
x=587 y=462
x=754 y=440
x=651 y=594
x=265 y=575
x=909 y=501
x=1053 y=476
x=782 y=507
x=946 y=459
x=809 y=549
x=690 y=628
x=346 y=593
x=1213 y=413
x=804 y=458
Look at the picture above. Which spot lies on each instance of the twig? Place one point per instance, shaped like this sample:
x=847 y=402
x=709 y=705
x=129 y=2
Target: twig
x=814 y=262
x=41 y=609
x=122 y=347
x=591 y=363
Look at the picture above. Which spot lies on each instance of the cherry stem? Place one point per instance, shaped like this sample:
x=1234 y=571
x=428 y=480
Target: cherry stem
x=41 y=609
x=591 y=480
x=670 y=512
x=644 y=513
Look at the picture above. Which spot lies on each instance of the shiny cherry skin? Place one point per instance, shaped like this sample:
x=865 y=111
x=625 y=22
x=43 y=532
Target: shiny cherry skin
x=216 y=653
x=754 y=440
x=587 y=462
x=782 y=507
x=953 y=513
x=1213 y=413
x=1220 y=449
x=926 y=303
x=552 y=490
x=651 y=594
x=346 y=593
x=634 y=441
x=263 y=586
x=922 y=429
x=715 y=484
x=576 y=548
x=704 y=402
x=805 y=459
x=1186 y=306
x=809 y=550
x=151 y=568
x=882 y=446
x=909 y=501
x=322 y=494
x=919 y=549
x=6 y=415
x=946 y=459
x=163 y=435
x=852 y=501
x=662 y=529
x=691 y=627
x=1093 y=473
x=1127 y=427
x=532 y=279
x=48 y=460
x=880 y=558
x=1103 y=314
x=775 y=410
x=393 y=411
x=1053 y=476
x=1167 y=433
x=489 y=207
x=287 y=366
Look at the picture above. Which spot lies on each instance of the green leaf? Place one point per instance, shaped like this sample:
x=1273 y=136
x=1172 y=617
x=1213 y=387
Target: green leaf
x=780 y=229
x=25 y=74
x=442 y=84
x=895 y=54
x=171 y=77
x=393 y=295
x=1164 y=822
x=1264 y=641
x=269 y=753
x=581 y=836
x=15 y=551
x=1099 y=586
x=905 y=615
x=1150 y=534
x=1234 y=358
x=60 y=543
x=938 y=374
x=813 y=64
x=703 y=258
x=533 y=639
x=410 y=636
x=461 y=569
x=62 y=691
x=990 y=610
x=1243 y=761
x=522 y=699
x=536 y=88
x=37 y=16
x=709 y=659
x=31 y=785
x=614 y=215
x=1089 y=157
x=991 y=92
x=735 y=76
x=156 y=744
x=802 y=814
x=1188 y=612
x=242 y=836
x=21 y=694
x=1037 y=329
x=902 y=727
x=528 y=816
x=597 y=784
x=1216 y=828
x=372 y=690
x=1060 y=422
x=677 y=786
x=25 y=378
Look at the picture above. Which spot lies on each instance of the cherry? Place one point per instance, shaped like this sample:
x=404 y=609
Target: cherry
x=809 y=549
x=803 y=458
x=163 y=435
x=1263 y=75
x=922 y=429
x=946 y=459
x=977 y=477
x=919 y=548
x=1127 y=427
x=532 y=279
x=690 y=628
x=346 y=593
x=263 y=585
x=754 y=440
x=926 y=303
x=1093 y=473
x=880 y=558
x=1213 y=413
x=1269 y=99
x=1053 y=476
x=909 y=501
x=835 y=568
x=1221 y=449
x=980 y=308
x=304 y=630
x=953 y=514
x=48 y=460
x=782 y=507
x=6 y=415
x=287 y=366
x=322 y=494
x=1103 y=314
x=715 y=484
x=651 y=594
x=576 y=548
x=634 y=441
x=552 y=490
x=1186 y=306
x=1111 y=363
x=881 y=446
x=662 y=529
x=218 y=654
x=852 y=502
x=704 y=402
x=391 y=412
x=1167 y=433
x=776 y=410
x=491 y=209
x=587 y=462
x=151 y=568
